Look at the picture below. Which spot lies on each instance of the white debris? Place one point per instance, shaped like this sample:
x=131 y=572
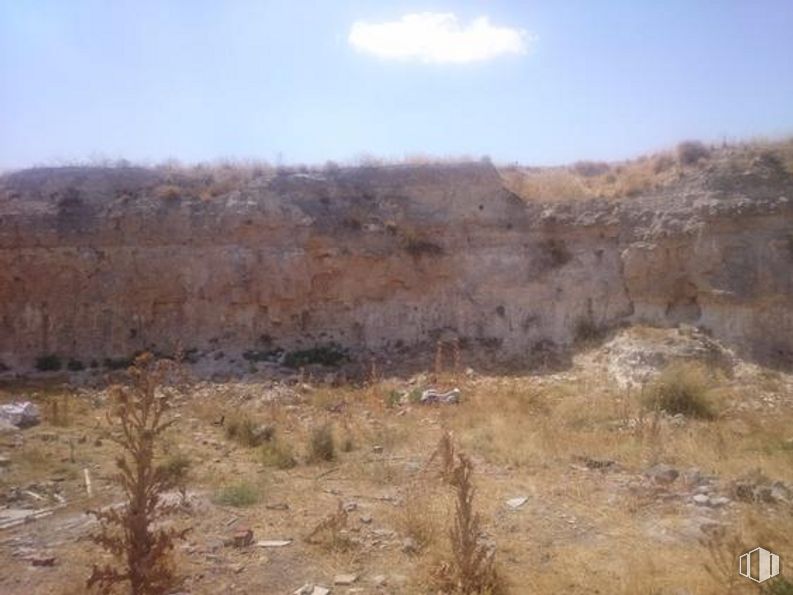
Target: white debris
x=311 y=589
x=274 y=543
x=433 y=396
x=21 y=414
x=515 y=503
x=701 y=499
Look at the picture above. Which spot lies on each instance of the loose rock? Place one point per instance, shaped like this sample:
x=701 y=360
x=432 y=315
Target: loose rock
x=21 y=414
x=516 y=503
x=345 y=579
x=662 y=474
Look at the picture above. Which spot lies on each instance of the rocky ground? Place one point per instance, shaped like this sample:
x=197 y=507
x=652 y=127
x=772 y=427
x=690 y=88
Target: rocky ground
x=582 y=488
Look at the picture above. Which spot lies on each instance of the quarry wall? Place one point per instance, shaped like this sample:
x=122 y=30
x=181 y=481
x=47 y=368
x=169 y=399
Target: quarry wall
x=94 y=263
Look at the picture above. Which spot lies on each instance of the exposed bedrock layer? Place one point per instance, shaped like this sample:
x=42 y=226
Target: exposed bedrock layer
x=97 y=263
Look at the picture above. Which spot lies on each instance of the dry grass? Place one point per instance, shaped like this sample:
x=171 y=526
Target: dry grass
x=637 y=176
x=239 y=495
x=322 y=444
x=582 y=530
x=683 y=388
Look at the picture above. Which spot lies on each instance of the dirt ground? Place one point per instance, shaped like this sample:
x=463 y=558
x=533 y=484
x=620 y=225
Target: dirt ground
x=580 y=488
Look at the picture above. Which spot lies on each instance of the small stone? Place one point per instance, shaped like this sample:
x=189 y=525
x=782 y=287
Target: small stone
x=277 y=506
x=350 y=506
x=42 y=561
x=701 y=500
x=366 y=519
x=409 y=545
x=345 y=579
x=241 y=538
x=662 y=474
x=719 y=501
x=4 y=461
x=311 y=589
x=379 y=580
x=377 y=448
x=274 y=543
x=516 y=503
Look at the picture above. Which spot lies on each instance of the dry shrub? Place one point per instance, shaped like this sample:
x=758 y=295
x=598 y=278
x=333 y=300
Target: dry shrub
x=682 y=388
x=59 y=411
x=546 y=184
x=238 y=495
x=139 y=420
x=329 y=531
x=168 y=192
x=248 y=432
x=690 y=152
x=177 y=470
x=471 y=569
x=420 y=517
x=278 y=454
x=322 y=446
x=444 y=453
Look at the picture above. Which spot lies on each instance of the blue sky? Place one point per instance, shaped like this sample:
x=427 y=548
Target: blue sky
x=536 y=82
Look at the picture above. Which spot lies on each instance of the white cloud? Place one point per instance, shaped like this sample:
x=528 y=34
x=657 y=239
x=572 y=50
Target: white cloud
x=437 y=38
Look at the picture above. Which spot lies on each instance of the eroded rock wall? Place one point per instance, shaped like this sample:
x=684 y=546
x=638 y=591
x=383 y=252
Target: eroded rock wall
x=95 y=264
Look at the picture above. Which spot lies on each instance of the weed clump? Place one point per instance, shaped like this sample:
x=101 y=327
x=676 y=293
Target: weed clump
x=129 y=533
x=690 y=152
x=330 y=531
x=176 y=469
x=238 y=495
x=471 y=569
x=248 y=431
x=322 y=446
x=682 y=388
x=277 y=454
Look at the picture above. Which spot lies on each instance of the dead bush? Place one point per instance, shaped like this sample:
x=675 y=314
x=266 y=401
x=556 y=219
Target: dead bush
x=238 y=495
x=278 y=454
x=330 y=530
x=177 y=469
x=419 y=518
x=248 y=432
x=589 y=169
x=682 y=388
x=471 y=569
x=690 y=152
x=168 y=192
x=139 y=420
x=322 y=446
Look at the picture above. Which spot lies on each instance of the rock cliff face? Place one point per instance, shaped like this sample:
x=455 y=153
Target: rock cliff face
x=96 y=263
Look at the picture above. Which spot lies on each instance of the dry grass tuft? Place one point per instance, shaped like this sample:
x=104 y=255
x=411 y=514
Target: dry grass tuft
x=238 y=495
x=278 y=454
x=330 y=530
x=248 y=432
x=322 y=445
x=682 y=388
